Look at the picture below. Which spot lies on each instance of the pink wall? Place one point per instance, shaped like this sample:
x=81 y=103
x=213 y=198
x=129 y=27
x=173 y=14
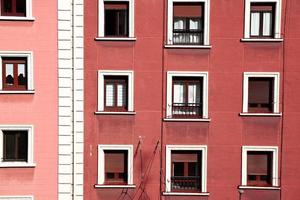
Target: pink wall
x=39 y=109
x=227 y=132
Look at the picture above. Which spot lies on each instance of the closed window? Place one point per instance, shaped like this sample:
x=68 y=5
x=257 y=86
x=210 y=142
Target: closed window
x=187 y=97
x=14 y=73
x=188 y=19
x=13 y=8
x=116 y=166
x=15 y=146
x=116 y=93
x=259 y=168
x=261 y=94
x=186 y=171
x=116 y=19
x=262 y=20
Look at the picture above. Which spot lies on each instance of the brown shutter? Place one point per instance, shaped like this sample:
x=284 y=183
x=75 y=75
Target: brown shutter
x=258 y=163
x=116 y=6
x=188 y=10
x=262 y=7
x=185 y=157
x=115 y=162
x=260 y=90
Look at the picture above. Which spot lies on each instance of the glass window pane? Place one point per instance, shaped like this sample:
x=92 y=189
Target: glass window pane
x=9 y=74
x=109 y=95
x=121 y=101
x=255 y=24
x=21 y=74
x=178 y=23
x=21 y=6
x=7 y=6
x=267 y=17
x=178 y=94
x=178 y=169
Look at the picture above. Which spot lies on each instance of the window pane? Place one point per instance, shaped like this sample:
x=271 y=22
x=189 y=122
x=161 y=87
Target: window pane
x=15 y=145
x=109 y=95
x=255 y=23
x=116 y=19
x=9 y=74
x=21 y=74
x=194 y=93
x=178 y=94
x=21 y=6
x=179 y=23
x=178 y=169
x=267 y=17
x=121 y=95
x=7 y=6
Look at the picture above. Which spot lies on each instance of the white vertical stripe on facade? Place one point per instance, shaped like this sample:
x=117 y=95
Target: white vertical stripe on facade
x=70 y=80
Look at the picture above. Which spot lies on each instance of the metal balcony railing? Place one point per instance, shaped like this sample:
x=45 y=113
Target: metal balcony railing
x=187 y=38
x=187 y=110
x=185 y=183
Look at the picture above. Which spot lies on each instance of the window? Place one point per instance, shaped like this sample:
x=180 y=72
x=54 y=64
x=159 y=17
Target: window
x=261 y=92
x=186 y=169
x=262 y=19
x=16 y=146
x=115 y=165
x=115 y=91
x=187 y=95
x=17 y=72
x=14 y=73
x=260 y=166
x=16 y=9
x=188 y=22
x=116 y=18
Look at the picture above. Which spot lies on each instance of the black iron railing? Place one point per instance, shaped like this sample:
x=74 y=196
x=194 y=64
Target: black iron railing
x=187 y=38
x=187 y=110
x=185 y=183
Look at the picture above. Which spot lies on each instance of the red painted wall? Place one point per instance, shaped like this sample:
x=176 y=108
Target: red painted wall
x=227 y=132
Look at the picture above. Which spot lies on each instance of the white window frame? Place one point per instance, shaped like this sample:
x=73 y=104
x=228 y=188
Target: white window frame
x=172 y=74
x=29 y=129
x=101 y=161
x=19 y=54
x=273 y=150
x=101 y=95
x=28 y=16
x=277 y=22
x=206 y=20
x=101 y=17
x=19 y=197
x=275 y=76
x=202 y=148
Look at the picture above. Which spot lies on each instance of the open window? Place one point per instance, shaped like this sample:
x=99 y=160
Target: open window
x=260 y=166
x=115 y=165
x=187 y=95
x=186 y=169
x=262 y=19
x=188 y=22
x=261 y=92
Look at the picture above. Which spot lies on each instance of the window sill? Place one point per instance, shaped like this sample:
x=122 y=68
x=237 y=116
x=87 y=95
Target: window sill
x=114 y=113
x=171 y=46
x=115 y=39
x=258 y=188
x=12 y=18
x=17 y=91
x=186 y=120
x=114 y=186
x=17 y=165
x=185 y=194
x=262 y=40
x=260 y=114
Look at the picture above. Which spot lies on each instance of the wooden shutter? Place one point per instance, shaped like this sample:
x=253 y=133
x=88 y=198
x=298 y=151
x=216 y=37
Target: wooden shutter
x=188 y=10
x=258 y=163
x=115 y=162
x=116 y=6
x=262 y=7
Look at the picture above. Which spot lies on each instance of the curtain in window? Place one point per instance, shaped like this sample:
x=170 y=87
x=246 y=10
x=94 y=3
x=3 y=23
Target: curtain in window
x=178 y=96
x=9 y=74
x=194 y=96
x=255 y=24
x=109 y=95
x=267 y=24
x=121 y=101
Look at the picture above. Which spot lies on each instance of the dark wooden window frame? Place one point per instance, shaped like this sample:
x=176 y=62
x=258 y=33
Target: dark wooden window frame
x=272 y=31
x=115 y=80
x=17 y=134
x=187 y=81
x=14 y=9
x=15 y=61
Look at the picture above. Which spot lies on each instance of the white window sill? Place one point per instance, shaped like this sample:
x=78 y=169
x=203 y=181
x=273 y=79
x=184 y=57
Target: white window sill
x=17 y=91
x=115 y=186
x=16 y=165
x=171 y=46
x=185 y=194
x=262 y=39
x=186 y=120
x=261 y=114
x=12 y=18
x=115 y=38
x=114 y=113
x=258 y=188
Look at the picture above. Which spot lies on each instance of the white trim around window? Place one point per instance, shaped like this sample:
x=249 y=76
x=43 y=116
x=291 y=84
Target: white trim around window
x=29 y=129
x=277 y=23
x=203 y=149
x=172 y=74
x=129 y=74
x=19 y=54
x=101 y=19
x=272 y=149
x=206 y=20
x=28 y=16
x=275 y=76
x=101 y=162
x=19 y=197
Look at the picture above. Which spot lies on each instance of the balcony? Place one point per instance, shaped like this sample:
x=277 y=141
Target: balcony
x=187 y=38
x=187 y=110
x=185 y=183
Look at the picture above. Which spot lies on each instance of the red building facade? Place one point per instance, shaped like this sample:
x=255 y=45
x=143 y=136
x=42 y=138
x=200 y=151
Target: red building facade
x=191 y=99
